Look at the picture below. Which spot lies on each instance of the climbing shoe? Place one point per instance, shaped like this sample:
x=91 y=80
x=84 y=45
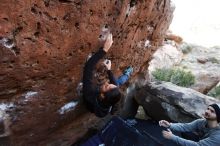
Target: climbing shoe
x=128 y=71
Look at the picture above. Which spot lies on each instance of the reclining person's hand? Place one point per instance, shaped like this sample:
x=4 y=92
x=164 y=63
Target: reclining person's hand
x=108 y=42
x=164 y=123
x=167 y=134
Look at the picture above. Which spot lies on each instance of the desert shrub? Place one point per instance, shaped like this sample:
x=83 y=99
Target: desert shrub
x=163 y=74
x=179 y=77
x=215 y=92
x=186 y=48
x=213 y=60
x=182 y=78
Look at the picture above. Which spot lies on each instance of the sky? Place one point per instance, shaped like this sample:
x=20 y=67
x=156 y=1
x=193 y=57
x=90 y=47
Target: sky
x=197 y=21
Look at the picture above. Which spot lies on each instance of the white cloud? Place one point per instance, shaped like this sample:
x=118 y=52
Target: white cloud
x=197 y=21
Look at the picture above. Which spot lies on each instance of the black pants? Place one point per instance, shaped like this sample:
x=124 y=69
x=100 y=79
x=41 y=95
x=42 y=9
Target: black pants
x=190 y=136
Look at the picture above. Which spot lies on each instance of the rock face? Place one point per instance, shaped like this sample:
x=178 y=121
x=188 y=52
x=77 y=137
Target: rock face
x=166 y=56
x=204 y=63
x=164 y=100
x=43 y=47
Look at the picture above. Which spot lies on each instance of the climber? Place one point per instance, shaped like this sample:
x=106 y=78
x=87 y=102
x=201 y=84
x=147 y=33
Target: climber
x=101 y=99
x=201 y=132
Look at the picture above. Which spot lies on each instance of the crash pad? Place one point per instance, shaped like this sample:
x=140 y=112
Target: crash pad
x=130 y=132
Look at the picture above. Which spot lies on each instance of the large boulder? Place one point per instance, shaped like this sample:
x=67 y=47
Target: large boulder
x=204 y=63
x=164 y=100
x=43 y=47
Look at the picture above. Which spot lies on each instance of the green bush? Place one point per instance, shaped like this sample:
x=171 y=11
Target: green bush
x=186 y=48
x=213 y=60
x=215 y=92
x=176 y=76
x=163 y=74
x=182 y=78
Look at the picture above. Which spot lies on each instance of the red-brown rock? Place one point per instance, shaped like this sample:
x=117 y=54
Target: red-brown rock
x=176 y=38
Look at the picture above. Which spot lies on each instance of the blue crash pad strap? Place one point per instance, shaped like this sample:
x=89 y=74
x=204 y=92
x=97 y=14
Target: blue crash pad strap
x=93 y=141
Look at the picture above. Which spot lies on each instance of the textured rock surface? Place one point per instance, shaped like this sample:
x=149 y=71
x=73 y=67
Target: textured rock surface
x=204 y=63
x=43 y=46
x=164 y=100
x=167 y=56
